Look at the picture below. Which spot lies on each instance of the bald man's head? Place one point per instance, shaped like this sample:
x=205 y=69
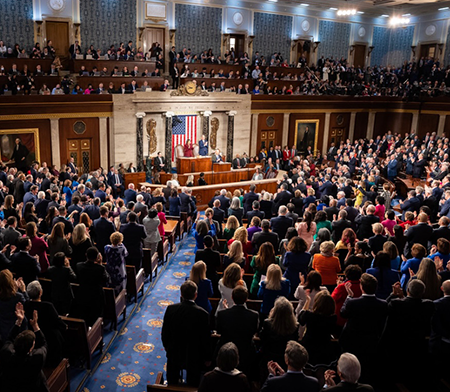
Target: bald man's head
x=446 y=287
x=422 y=218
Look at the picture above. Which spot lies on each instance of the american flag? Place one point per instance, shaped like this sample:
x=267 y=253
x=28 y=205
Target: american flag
x=183 y=129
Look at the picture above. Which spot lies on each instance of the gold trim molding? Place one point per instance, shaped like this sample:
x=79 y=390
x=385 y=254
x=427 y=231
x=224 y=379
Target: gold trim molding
x=46 y=116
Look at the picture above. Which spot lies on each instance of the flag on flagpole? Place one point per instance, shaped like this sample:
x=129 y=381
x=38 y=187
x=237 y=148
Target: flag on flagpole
x=183 y=128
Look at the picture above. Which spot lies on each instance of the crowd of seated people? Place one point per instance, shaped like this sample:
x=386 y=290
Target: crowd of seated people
x=37 y=52
x=374 y=279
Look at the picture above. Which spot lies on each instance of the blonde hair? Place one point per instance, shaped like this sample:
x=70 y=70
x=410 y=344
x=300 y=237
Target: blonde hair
x=237 y=193
x=116 y=238
x=283 y=318
x=198 y=272
x=157 y=192
x=231 y=276
x=274 y=277
x=79 y=234
x=190 y=179
x=232 y=223
x=241 y=235
x=377 y=228
x=235 y=254
x=310 y=192
x=327 y=247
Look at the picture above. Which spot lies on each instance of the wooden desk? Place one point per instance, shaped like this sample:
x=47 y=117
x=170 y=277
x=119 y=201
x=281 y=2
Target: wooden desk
x=192 y=165
x=75 y=65
x=134 y=178
x=204 y=194
x=404 y=185
x=50 y=81
x=211 y=177
x=221 y=167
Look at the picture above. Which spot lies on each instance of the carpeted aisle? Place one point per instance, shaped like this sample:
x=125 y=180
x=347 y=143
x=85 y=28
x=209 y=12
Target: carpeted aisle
x=137 y=355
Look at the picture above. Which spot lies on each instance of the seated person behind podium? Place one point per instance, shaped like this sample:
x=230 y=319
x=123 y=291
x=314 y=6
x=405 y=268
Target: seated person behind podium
x=217 y=158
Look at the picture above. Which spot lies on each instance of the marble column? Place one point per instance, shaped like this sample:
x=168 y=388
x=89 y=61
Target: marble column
x=285 y=134
x=254 y=135
x=230 y=135
x=103 y=134
x=205 y=125
x=168 y=141
x=441 y=125
x=56 y=153
x=326 y=133
x=371 y=125
x=140 y=141
x=351 y=131
x=415 y=122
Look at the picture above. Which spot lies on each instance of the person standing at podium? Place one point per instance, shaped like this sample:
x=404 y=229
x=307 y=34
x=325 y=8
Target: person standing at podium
x=217 y=158
x=203 y=146
x=188 y=149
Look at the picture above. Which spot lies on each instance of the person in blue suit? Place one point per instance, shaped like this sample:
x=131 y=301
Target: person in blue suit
x=445 y=209
x=392 y=168
x=203 y=146
x=103 y=228
x=412 y=203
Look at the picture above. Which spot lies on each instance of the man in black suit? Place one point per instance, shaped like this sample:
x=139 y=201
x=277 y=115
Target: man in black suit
x=74 y=48
x=366 y=317
x=281 y=223
x=291 y=213
x=442 y=232
x=352 y=212
x=103 y=228
x=418 y=234
x=339 y=225
x=10 y=235
x=224 y=201
x=93 y=210
x=116 y=182
x=365 y=223
x=294 y=380
x=211 y=258
x=249 y=198
x=71 y=164
x=255 y=212
x=283 y=197
x=124 y=215
x=186 y=337
x=241 y=333
x=41 y=205
x=377 y=241
x=75 y=206
x=61 y=218
x=92 y=277
x=158 y=162
x=187 y=203
x=265 y=236
x=23 y=356
x=332 y=210
x=24 y=265
x=411 y=204
x=140 y=208
x=237 y=162
x=133 y=236
x=440 y=325
x=219 y=214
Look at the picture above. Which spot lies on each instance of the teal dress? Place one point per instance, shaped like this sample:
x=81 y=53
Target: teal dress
x=320 y=225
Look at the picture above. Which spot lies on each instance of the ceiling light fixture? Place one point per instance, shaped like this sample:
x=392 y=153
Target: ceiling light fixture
x=360 y=12
x=404 y=15
x=384 y=16
x=304 y=5
x=346 y=12
x=443 y=9
x=396 y=21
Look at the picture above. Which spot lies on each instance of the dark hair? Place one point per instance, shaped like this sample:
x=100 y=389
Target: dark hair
x=23 y=342
x=390 y=215
x=369 y=283
x=380 y=200
x=132 y=217
x=349 y=202
x=92 y=253
x=239 y=295
x=321 y=216
x=152 y=213
x=130 y=205
x=290 y=207
x=307 y=217
x=291 y=232
x=58 y=259
x=228 y=357
x=11 y=220
x=188 y=290
x=75 y=200
x=443 y=246
x=23 y=242
x=313 y=281
x=353 y=272
x=208 y=241
x=297 y=245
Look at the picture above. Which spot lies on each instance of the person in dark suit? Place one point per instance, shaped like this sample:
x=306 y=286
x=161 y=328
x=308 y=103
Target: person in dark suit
x=74 y=49
x=224 y=201
x=203 y=146
x=116 y=183
x=325 y=189
x=339 y=226
x=71 y=165
x=411 y=204
x=241 y=334
x=51 y=324
x=349 y=371
x=332 y=210
x=186 y=337
x=237 y=162
x=130 y=194
x=281 y=223
x=201 y=180
x=103 y=228
x=255 y=212
x=442 y=232
x=133 y=236
x=140 y=208
x=75 y=206
x=24 y=265
x=219 y=213
x=159 y=162
x=294 y=379
x=41 y=205
x=186 y=201
x=211 y=258
x=92 y=277
x=10 y=235
x=365 y=223
x=440 y=325
x=23 y=356
x=68 y=226
x=418 y=234
x=249 y=198
x=282 y=198
x=19 y=155
x=265 y=236
x=366 y=317
x=418 y=166
x=100 y=192
x=377 y=241
x=93 y=210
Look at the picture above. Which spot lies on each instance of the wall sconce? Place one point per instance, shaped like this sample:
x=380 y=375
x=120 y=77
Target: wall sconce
x=441 y=47
x=316 y=45
x=371 y=48
x=141 y=31
x=77 y=30
x=413 y=48
x=225 y=39
x=352 y=49
x=39 y=27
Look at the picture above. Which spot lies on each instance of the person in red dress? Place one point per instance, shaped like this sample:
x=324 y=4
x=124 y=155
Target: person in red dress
x=188 y=149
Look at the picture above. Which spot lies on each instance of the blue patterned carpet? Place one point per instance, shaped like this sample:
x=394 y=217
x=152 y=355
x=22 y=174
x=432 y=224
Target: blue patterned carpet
x=137 y=354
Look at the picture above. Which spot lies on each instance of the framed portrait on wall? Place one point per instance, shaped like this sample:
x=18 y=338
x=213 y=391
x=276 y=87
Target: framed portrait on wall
x=306 y=135
x=19 y=147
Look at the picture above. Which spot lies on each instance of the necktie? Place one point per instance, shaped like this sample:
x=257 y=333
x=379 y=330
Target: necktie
x=117 y=180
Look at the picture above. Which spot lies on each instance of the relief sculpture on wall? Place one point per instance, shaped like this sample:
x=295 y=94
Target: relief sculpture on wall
x=151 y=136
x=213 y=136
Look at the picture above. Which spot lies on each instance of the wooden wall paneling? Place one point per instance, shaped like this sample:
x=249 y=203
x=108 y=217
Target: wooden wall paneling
x=392 y=121
x=361 y=121
x=266 y=129
x=427 y=123
x=447 y=126
x=92 y=133
x=340 y=124
x=45 y=144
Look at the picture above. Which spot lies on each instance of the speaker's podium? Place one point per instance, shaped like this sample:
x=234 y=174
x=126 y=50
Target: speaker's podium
x=134 y=178
x=193 y=165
